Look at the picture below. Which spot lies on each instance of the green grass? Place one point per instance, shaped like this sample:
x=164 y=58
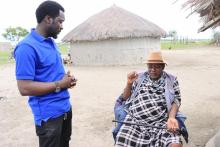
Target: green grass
x=180 y=45
x=4 y=57
x=64 y=47
x=165 y=44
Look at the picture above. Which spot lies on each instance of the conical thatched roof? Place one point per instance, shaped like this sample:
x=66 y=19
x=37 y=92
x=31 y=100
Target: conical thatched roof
x=209 y=11
x=113 y=23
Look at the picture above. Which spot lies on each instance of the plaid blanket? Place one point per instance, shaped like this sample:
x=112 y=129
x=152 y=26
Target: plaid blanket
x=148 y=107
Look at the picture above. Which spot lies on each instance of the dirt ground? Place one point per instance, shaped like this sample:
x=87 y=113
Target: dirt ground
x=93 y=99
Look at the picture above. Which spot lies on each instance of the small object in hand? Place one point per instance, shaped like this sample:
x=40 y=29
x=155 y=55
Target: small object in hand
x=73 y=83
x=74 y=80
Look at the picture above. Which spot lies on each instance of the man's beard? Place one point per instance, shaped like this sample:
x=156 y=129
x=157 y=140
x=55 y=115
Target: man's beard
x=51 y=32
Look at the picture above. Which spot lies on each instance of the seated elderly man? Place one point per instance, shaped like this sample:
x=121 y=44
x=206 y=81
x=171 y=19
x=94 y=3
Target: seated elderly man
x=148 y=105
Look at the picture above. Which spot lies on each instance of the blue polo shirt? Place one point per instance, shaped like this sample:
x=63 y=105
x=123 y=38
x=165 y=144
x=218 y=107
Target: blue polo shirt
x=38 y=59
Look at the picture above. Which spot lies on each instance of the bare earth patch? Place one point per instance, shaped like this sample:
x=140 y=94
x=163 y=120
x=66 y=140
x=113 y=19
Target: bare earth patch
x=93 y=99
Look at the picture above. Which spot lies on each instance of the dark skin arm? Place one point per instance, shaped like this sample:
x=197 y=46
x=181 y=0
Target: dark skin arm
x=172 y=123
x=33 y=88
x=131 y=77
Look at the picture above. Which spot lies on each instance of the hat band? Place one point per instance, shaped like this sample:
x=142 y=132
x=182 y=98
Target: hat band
x=155 y=61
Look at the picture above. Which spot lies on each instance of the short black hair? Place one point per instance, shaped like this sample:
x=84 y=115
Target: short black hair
x=50 y=8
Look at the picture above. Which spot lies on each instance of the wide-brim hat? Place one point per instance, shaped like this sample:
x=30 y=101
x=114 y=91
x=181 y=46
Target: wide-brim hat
x=155 y=57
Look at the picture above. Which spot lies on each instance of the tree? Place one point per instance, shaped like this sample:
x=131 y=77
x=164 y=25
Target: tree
x=14 y=34
x=173 y=34
x=216 y=38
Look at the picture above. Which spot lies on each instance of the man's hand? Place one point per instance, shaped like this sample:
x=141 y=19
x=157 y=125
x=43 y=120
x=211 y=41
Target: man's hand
x=172 y=124
x=131 y=77
x=68 y=81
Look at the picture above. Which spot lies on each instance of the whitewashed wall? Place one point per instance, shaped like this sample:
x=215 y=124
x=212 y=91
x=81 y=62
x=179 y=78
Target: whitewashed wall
x=113 y=52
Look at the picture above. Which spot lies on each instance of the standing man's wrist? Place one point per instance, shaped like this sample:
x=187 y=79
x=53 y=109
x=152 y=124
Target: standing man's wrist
x=57 y=86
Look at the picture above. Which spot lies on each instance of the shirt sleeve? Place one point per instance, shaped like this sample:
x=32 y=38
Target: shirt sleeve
x=25 y=58
x=177 y=95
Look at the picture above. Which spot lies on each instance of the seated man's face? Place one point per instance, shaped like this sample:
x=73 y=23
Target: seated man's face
x=155 y=70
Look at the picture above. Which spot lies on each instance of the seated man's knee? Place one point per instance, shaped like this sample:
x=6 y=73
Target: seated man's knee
x=175 y=145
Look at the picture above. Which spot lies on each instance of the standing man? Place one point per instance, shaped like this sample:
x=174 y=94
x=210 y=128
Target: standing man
x=41 y=76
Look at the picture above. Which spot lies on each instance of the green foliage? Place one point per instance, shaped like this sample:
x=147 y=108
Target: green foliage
x=4 y=57
x=14 y=34
x=216 y=38
x=173 y=34
x=167 y=44
x=64 y=48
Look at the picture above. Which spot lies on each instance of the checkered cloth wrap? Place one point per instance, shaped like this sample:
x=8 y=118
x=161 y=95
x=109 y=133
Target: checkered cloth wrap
x=148 y=107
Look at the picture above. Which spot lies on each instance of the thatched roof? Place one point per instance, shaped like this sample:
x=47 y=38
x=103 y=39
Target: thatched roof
x=209 y=11
x=113 y=23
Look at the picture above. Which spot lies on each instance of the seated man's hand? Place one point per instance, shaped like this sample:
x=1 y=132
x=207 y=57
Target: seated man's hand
x=172 y=125
x=131 y=77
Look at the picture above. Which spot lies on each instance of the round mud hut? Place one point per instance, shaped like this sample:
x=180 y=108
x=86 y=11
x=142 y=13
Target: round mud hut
x=113 y=37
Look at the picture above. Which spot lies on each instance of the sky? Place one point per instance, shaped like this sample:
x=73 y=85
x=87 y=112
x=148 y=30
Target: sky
x=168 y=14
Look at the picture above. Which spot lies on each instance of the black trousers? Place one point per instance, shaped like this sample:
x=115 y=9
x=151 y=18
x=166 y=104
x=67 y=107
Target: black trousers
x=56 y=132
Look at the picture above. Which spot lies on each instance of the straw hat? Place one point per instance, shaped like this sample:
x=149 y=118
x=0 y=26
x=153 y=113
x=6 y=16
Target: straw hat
x=155 y=57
